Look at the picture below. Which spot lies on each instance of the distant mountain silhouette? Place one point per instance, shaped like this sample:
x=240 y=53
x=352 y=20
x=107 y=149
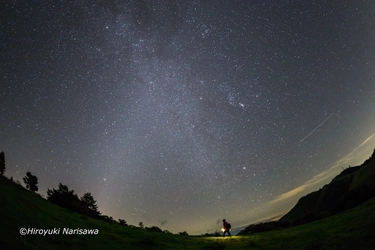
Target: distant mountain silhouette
x=350 y=188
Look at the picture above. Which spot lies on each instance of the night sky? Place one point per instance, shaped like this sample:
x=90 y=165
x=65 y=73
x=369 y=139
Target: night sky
x=178 y=114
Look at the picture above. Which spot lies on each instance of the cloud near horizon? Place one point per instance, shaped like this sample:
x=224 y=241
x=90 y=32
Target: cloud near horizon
x=284 y=202
x=350 y=159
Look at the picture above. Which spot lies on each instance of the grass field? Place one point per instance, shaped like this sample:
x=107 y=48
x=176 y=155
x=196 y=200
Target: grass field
x=19 y=208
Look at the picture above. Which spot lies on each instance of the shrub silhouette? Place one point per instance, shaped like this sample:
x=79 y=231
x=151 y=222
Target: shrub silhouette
x=68 y=199
x=107 y=218
x=154 y=229
x=122 y=222
x=65 y=198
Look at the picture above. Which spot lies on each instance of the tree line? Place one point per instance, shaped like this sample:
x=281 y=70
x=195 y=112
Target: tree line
x=64 y=197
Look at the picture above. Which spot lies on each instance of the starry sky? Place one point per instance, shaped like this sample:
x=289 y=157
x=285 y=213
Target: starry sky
x=178 y=114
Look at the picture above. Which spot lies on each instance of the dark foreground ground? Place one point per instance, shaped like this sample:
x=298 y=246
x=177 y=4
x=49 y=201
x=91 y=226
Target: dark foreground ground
x=19 y=208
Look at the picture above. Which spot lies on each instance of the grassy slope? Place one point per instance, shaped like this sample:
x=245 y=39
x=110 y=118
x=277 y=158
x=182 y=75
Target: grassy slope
x=365 y=175
x=20 y=208
x=326 y=199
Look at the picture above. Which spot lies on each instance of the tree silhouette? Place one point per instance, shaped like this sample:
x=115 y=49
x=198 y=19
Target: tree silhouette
x=31 y=182
x=89 y=203
x=2 y=163
x=65 y=198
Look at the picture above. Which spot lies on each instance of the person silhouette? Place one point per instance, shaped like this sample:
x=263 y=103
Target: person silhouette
x=227 y=228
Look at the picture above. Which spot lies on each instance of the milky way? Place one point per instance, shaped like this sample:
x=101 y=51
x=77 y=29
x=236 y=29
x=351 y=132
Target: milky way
x=179 y=114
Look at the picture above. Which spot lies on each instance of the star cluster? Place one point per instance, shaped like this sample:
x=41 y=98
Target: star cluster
x=178 y=114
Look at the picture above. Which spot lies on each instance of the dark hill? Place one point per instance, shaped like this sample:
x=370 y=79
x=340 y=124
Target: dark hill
x=350 y=188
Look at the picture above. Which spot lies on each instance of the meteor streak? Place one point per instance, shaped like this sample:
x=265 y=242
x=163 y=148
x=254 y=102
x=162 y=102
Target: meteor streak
x=315 y=128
